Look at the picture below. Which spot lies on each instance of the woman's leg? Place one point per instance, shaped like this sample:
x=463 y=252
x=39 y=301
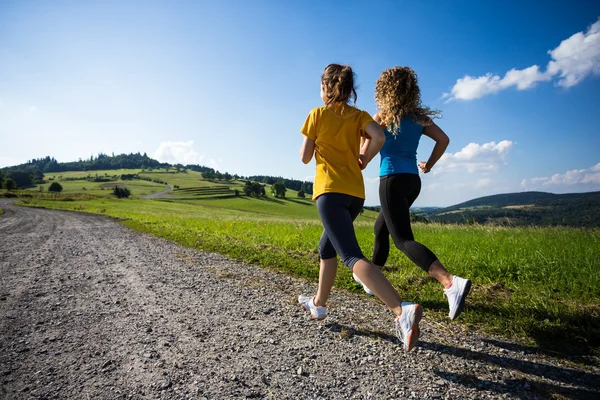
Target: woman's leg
x=327 y=273
x=338 y=213
x=327 y=270
x=381 y=248
x=397 y=193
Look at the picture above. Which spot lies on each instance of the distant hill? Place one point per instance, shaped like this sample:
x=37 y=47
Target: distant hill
x=32 y=172
x=523 y=209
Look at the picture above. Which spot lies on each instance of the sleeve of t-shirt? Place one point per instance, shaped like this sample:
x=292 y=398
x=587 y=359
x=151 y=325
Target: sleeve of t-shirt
x=365 y=118
x=309 y=129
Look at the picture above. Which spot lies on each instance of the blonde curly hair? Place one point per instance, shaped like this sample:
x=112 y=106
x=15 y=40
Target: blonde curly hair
x=398 y=95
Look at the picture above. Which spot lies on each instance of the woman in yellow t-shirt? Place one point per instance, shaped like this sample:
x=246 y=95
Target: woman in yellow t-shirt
x=332 y=133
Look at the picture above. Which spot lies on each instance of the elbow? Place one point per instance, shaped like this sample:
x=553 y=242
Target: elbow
x=445 y=141
x=306 y=158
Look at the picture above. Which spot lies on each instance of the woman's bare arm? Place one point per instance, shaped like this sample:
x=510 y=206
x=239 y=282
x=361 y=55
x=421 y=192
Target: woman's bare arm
x=307 y=150
x=441 y=143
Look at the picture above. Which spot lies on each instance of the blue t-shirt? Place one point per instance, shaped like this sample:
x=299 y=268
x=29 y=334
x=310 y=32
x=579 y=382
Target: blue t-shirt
x=399 y=153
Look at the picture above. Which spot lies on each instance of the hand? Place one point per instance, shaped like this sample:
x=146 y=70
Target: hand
x=423 y=166
x=361 y=161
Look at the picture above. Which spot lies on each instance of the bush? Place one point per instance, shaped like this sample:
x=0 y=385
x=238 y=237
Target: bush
x=10 y=184
x=121 y=192
x=55 y=187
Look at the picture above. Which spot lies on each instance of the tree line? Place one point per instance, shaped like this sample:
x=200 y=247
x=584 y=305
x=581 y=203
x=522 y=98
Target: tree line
x=293 y=184
x=94 y=163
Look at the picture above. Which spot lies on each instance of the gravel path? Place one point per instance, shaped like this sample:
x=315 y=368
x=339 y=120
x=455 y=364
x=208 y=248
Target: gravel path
x=159 y=194
x=90 y=309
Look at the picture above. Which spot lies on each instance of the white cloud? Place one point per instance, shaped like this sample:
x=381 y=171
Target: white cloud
x=571 y=62
x=577 y=179
x=576 y=57
x=177 y=152
x=474 y=158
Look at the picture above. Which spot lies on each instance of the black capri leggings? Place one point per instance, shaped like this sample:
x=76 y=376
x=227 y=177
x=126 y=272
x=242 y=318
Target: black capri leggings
x=338 y=212
x=396 y=194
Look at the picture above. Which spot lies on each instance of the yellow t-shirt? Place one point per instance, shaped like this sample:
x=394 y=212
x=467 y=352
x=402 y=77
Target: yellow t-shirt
x=337 y=146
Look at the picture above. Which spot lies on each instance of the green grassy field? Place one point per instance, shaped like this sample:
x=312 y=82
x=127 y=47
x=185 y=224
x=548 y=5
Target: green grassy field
x=75 y=182
x=539 y=285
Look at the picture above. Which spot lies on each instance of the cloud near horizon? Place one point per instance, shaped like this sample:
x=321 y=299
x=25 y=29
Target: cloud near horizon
x=571 y=62
x=576 y=179
x=475 y=158
x=178 y=153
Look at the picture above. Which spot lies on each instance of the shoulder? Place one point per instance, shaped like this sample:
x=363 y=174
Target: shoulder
x=377 y=118
x=415 y=120
x=314 y=115
x=318 y=110
x=425 y=120
x=363 y=114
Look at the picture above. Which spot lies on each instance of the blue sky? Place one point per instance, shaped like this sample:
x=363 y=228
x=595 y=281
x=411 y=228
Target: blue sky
x=228 y=84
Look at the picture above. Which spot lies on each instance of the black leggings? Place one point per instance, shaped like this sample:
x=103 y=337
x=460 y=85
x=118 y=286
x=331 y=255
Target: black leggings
x=396 y=194
x=338 y=211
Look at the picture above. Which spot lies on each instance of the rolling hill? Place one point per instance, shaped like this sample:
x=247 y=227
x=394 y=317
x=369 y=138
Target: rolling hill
x=523 y=209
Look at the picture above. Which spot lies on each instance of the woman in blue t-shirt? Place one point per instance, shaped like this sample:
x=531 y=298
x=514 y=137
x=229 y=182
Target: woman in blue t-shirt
x=405 y=120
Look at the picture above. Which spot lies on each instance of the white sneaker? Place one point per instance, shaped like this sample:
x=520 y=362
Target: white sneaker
x=407 y=325
x=456 y=295
x=367 y=290
x=308 y=303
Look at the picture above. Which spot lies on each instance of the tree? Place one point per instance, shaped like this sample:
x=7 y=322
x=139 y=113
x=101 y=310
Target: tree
x=21 y=178
x=278 y=189
x=10 y=184
x=208 y=175
x=248 y=188
x=307 y=187
x=55 y=187
x=121 y=192
x=301 y=193
x=38 y=176
x=254 y=189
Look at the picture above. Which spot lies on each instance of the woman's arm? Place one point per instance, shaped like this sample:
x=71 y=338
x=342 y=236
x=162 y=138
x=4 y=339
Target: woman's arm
x=375 y=138
x=307 y=150
x=365 y=142
x=441 y=143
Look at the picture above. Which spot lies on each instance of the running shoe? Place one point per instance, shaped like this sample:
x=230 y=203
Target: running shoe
x=456 y=295
x=407 y=325
x=308 y=303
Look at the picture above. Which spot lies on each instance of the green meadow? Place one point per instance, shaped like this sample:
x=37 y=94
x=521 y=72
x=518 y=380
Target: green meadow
x=540 y=286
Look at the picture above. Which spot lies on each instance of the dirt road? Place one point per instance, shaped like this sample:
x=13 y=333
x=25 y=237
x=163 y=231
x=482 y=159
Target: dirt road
x=159 y=194
x=92 y=310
